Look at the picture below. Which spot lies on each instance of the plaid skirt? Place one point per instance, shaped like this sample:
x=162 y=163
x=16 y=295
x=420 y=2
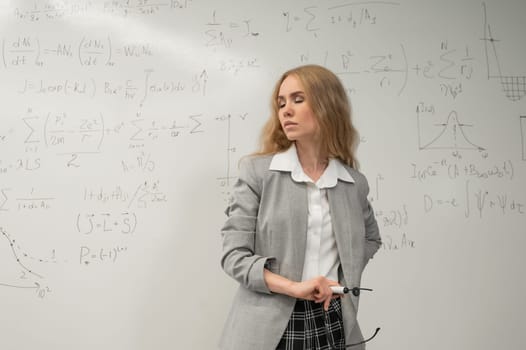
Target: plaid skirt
x=311 y=328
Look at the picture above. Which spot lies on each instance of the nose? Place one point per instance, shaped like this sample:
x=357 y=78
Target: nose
x=287 y=110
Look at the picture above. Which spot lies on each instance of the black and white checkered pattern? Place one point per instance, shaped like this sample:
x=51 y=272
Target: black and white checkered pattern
x=308 y=327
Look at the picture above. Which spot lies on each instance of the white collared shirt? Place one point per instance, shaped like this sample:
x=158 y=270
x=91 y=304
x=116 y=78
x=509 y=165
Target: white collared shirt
x=321 y=255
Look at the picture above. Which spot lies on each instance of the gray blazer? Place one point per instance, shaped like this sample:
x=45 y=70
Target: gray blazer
x=266 y=228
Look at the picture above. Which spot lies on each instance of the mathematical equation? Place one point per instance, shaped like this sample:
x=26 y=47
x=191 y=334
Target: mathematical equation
x=83 y=133
x=106 y=223
x=313 y=19
x=452 y=169
x=476 y=200
x=128 y=90
x=452 y=67
x=51 y=10
x=89 y=255
x=25 y=51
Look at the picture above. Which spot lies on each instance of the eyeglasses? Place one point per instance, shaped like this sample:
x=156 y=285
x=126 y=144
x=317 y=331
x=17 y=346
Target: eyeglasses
x=356 y=292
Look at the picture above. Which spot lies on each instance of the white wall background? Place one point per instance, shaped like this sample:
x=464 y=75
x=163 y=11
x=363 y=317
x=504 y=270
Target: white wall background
x=122 y=122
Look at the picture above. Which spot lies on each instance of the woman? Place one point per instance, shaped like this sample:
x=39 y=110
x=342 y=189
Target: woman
x=299 y=222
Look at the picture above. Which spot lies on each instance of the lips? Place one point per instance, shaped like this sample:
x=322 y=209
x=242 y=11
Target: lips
x=289 y=124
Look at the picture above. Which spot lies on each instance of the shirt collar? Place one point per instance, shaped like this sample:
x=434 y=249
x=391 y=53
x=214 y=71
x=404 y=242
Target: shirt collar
x=288 y=161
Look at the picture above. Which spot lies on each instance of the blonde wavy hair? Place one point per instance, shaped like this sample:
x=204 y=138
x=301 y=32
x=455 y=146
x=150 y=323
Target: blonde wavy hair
x=328 y=100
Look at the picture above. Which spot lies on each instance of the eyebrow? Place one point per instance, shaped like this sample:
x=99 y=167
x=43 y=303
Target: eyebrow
x=292 y=94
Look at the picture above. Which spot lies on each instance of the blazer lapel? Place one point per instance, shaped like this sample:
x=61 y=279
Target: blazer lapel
x=346 y=218
x=298 y=202
x=341 y=224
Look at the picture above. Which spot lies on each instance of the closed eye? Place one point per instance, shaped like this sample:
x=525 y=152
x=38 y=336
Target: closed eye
x=296 y=97
x=299 y=99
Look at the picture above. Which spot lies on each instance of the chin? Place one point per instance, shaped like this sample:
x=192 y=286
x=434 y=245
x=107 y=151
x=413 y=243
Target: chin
x=291 y=136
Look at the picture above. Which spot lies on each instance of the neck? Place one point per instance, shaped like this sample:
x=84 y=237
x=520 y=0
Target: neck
x=312 y=159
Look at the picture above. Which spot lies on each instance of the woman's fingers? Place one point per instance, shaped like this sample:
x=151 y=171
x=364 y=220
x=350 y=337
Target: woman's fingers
x=319 y=290
x=326 y=304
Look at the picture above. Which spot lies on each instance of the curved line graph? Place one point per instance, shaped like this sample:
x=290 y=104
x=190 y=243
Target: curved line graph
x=29 y=280
x=452 y=135
x=17 y=259
x=514 y=87
x=36 y=286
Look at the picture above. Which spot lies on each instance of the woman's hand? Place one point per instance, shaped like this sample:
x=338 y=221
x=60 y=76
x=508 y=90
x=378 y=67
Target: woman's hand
x=316 y=289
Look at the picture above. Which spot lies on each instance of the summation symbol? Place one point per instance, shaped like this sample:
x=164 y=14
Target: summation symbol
x=514 y=87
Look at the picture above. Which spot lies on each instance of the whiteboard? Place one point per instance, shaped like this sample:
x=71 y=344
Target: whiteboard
x=122 y=124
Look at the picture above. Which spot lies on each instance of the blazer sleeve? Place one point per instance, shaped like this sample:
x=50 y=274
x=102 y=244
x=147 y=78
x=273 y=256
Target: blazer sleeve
x=238 y=233
x=373 y=240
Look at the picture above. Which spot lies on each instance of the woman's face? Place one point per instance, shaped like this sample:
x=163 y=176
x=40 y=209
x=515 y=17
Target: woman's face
x=295 y=114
